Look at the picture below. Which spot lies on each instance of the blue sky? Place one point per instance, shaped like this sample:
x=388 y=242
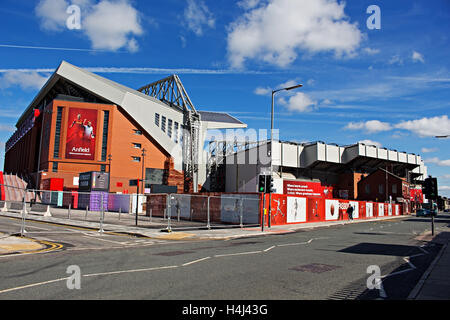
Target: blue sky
x=389 y=86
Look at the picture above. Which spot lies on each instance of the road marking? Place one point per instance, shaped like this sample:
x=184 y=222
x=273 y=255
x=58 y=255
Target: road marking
x=32 y=285
x=236 y=254
x=195 y=261
x=128 y=271
x=269 y=248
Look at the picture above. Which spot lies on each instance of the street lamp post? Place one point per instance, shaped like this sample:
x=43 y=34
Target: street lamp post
x=271 y=143
x=109 y=173
x=143 y=165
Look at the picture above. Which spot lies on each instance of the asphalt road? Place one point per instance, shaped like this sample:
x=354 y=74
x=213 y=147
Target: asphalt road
x=321 y=264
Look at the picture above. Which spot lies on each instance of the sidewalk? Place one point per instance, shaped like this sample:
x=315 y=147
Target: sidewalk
x=13 y=245
x=435 y=283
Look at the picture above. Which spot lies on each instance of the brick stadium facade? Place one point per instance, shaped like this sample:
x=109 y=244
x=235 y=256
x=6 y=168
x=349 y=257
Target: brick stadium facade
x=114 y=149
x=80 y=122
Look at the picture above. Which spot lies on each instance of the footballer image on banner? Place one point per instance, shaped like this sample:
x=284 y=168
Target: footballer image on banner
x=81 y=132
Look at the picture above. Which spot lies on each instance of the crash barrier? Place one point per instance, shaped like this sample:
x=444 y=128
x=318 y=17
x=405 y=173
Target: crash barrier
x=291 y=210
x=212 y=209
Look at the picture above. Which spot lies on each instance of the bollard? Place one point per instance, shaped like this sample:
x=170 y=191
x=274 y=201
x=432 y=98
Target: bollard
x=86 y=214
x=151 y=214
x=68 y=211
x=192 y=213
x=120 y=212
x=178 y=214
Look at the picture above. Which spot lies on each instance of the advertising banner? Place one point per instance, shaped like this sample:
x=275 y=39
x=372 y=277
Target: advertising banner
x=81 y=134
x=369 y=210
x=307 y=189
x=416 y=195
x=296 y=209
x=331 y=210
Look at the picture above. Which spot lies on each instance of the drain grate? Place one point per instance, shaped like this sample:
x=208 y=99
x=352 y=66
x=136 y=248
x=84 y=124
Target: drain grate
x=315 y=268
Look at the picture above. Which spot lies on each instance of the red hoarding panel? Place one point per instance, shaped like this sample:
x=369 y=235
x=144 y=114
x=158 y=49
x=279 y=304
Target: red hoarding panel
x=81 y=132
x=316 y=210
x=278 y=209
x=416 y=195
x=307 y=189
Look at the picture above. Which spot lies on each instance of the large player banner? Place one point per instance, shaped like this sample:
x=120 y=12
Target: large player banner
x=81 y=133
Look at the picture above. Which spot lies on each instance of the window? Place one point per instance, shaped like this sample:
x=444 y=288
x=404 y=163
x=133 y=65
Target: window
x=137 y=145
x=394 y=188
x=169 y=129
x=55 y=167
x=367 y=187
x=58 y=132
x=138 y=132
x=105 y=134
x=163 y=124
x=380 y=189
x=136 y=159
x=176 y=132
x=157 y=119
x=103 y=168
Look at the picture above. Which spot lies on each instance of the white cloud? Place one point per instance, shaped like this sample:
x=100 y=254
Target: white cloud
x=417 y=57
x=427 y=127
x=371 y=143
x=372 y=126
x=248 y=4
x=429 y=150
x=263 y=91
x=443 y=188
x=52 y=14
x=25 y=80
x=371 y=51
x=439 y=162
x=445 y=176
x=299 y=102
x=197 y=16
x=396 y=60
x=276 y=32
x=109 y=25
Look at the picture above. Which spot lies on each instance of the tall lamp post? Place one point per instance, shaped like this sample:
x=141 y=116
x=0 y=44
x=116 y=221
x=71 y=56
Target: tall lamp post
x=143 y=165
x=271 y=143
x=109 y=172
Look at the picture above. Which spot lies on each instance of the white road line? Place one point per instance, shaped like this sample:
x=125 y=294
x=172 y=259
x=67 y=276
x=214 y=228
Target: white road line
x=195 y=261
x=32 y=285
x=236 y=254
x=128 y=271
x=269 y=248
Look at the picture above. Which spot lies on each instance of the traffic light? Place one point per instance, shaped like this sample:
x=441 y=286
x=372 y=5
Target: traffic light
x=430 y=188
x=262 y=184
x=270 y=188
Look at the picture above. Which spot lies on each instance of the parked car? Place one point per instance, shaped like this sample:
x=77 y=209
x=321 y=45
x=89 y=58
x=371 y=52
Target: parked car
x=426 y=213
